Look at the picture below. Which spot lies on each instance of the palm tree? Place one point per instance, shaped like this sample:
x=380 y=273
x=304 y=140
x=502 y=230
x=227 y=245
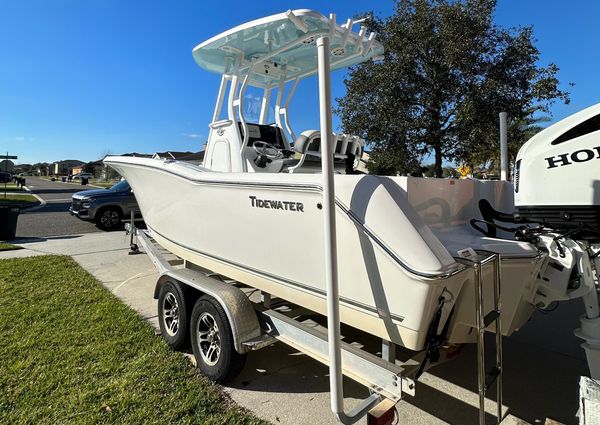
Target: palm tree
x=519 y=131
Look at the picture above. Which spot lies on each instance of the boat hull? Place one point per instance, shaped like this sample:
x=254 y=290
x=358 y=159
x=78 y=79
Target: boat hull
x=266 y=231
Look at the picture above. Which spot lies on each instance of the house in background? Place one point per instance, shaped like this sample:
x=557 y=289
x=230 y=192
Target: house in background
x=95 y=168
x=21 y=168
x=193 y=157
x=170 y=155
x=104 y=172
x=77 y=170
x=7 y=165
x=62 y=168
x=139 y=155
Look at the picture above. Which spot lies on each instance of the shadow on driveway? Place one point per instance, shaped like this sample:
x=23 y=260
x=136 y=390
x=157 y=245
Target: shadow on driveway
x=43 y=239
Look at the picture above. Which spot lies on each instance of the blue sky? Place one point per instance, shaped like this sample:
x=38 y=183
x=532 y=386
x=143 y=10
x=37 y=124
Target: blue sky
x=79 y=79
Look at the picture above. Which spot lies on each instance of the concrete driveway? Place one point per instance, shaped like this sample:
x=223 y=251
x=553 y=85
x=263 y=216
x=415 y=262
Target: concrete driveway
x=543 y=361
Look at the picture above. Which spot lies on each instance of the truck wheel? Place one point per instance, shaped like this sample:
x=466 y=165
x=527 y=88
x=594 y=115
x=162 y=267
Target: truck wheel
x=108 y=218
x=212 y=342
x=173 y=316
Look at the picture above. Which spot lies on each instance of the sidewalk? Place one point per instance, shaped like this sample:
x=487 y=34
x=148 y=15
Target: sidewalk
x=543 y=361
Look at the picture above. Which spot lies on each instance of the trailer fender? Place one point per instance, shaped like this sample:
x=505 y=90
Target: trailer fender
x=240 y=311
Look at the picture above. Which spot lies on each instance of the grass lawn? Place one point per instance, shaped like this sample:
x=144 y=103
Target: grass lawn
x=73 y=353
x=8 y=247
x=95 y=182
x=10 y=188
x=16 y=200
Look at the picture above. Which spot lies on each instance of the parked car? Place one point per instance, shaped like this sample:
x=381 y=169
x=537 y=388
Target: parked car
x=83 y=176
x=106 y=207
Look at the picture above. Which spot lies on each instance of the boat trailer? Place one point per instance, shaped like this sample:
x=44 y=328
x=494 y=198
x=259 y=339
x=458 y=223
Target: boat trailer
x=256 y=321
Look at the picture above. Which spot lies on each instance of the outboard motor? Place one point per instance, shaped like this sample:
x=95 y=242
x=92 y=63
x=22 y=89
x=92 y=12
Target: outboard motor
x=557 y=176
x=557 y=187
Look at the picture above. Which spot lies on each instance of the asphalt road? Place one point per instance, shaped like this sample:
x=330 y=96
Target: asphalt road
x=53 y=218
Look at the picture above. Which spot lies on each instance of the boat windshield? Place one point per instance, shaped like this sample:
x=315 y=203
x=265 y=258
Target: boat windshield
x=262 y=62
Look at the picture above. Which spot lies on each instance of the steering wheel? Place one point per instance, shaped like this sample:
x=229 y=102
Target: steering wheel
x=267 y=149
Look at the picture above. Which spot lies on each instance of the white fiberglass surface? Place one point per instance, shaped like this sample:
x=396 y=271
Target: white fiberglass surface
x=260 y=38
x=378 y=202
x=457 y=238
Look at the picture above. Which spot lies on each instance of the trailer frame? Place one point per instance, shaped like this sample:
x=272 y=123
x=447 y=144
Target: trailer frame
x=256 y=324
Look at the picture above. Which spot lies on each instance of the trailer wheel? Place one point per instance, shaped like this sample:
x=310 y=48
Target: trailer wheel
x=173 y=316
x=212 y=341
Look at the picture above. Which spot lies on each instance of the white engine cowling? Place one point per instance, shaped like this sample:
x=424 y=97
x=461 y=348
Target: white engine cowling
x=557 y=176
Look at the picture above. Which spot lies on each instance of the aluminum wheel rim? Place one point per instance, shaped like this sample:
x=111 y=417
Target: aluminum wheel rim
x=209 y=339
x=109 y=218
x=171 y=314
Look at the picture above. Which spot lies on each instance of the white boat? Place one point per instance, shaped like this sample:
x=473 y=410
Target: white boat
x=254 y=211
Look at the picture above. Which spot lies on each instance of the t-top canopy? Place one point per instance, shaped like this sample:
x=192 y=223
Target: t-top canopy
x=284 y=45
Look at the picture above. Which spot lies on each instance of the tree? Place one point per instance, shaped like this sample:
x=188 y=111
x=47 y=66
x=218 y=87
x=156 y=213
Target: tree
x=41 y=168
x=450 y=172
x=447 y=171
x=384 y=162
x=447 y=72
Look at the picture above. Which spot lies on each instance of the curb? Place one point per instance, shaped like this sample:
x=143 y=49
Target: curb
x=31 y=206
x=34 y=208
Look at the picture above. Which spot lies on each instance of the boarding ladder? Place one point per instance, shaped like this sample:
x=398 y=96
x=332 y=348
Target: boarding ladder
x=486 y=380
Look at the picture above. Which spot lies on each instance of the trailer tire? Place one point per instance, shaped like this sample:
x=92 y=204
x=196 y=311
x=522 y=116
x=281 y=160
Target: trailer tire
x=212 y=341
x=174 y=315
